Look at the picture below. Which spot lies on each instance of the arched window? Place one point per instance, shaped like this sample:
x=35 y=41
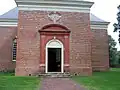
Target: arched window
x=14 y=50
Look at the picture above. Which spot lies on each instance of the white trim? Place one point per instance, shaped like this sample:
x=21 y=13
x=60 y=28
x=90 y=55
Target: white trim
x=8 y=22
x=42 y=65
x=66 y=65
x=14 y=60
x=14 y=22
x=62 y=55
x=55 y=5
x=50 y=8
x=99 y=25
x=13 y=43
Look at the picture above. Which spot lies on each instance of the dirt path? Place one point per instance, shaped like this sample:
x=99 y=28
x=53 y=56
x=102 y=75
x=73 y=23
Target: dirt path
x=59 y=84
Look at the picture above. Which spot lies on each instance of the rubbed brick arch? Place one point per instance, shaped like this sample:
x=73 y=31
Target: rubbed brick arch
x=54 y=26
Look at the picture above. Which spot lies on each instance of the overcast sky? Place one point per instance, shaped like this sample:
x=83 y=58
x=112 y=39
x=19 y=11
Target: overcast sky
x=104 y=9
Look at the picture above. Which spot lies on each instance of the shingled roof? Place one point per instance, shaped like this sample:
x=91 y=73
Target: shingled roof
x=13 y=14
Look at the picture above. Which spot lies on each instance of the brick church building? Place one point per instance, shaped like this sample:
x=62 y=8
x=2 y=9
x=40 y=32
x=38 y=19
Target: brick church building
x=53 y=36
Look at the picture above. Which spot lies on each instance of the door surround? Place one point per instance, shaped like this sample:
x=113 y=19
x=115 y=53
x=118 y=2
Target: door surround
x=60 y=34
x=55 y=43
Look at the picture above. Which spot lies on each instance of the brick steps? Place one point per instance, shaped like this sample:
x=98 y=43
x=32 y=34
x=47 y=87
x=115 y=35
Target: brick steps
x=55 y=75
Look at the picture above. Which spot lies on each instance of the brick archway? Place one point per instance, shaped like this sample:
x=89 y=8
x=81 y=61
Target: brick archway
x=49 y=32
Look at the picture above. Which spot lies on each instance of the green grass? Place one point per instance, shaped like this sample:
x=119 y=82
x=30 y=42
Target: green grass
x=101 y=80
x=6 y=74
x=115 y=69
x=10 y=82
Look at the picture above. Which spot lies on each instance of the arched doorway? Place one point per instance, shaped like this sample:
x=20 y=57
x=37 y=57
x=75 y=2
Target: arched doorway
x=54 y=56
x=53 y=38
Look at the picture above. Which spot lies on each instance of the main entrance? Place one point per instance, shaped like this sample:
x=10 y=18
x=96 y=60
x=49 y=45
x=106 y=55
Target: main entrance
x=54 y=56
x=54 y=49
x=54 y=59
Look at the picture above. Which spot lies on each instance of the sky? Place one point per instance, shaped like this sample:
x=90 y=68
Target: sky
x=104 y=9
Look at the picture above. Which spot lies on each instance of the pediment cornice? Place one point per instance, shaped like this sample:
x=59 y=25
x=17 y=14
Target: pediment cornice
x=55 y=5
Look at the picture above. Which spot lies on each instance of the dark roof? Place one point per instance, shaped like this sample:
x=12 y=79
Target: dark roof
x=13 y=14
x=94 y=18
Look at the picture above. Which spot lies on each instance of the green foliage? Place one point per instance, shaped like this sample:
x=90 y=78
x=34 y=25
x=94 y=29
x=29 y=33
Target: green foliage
x=113 y=54
x=101 y=80
x=118 y=54
x=117 y=25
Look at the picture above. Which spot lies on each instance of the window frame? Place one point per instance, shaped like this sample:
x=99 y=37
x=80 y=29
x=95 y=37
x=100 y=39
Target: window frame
x=14 y=46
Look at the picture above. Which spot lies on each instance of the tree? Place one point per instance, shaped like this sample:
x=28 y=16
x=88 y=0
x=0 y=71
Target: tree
x=113 y=52
x=117 y=25
x=118 y=54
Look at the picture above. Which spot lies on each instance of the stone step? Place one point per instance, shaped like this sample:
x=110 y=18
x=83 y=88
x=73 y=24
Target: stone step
x=55 y=75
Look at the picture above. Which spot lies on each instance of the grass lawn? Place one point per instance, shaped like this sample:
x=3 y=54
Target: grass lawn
x=101 y=80
x=10 y=82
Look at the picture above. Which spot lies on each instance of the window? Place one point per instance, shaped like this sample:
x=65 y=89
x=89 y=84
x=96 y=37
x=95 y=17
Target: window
x=14 y=50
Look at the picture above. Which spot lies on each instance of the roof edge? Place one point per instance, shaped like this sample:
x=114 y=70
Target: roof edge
x=14 y=22
x=99 y=25
x=55 y=5
x=6 y=22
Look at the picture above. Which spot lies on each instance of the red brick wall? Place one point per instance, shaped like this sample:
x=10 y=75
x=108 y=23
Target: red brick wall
x=80 y=42
x=7 y=34
x=100 y=50
x=28 y=56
